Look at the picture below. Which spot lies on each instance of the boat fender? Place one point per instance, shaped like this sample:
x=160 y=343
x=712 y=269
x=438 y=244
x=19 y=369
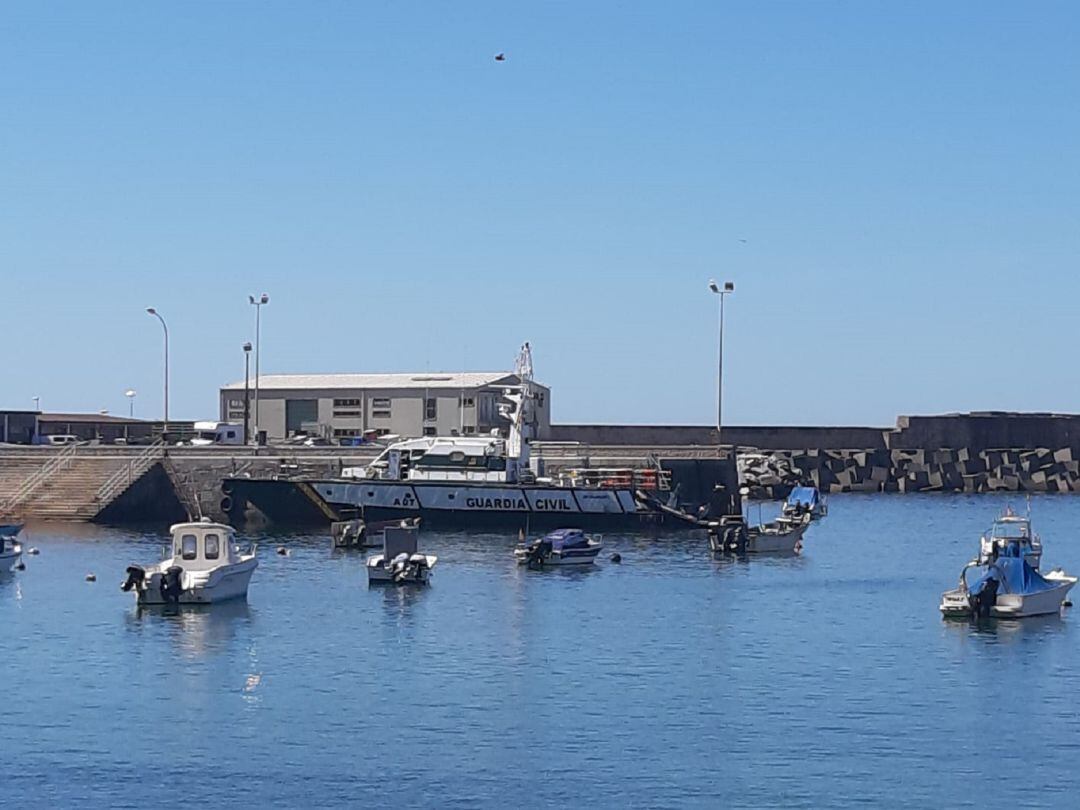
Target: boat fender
x=226 y=504
x=136 y=578
x=91 y=577
x=226 y=488
x=282 y=551
x=1067 y=603
x=616 y=557
x=170 y=584
x=22 y=567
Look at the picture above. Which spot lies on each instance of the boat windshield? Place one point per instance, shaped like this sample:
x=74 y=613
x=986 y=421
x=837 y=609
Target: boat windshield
x=1011 y=530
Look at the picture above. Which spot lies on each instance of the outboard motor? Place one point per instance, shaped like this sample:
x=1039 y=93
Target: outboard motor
x=136 y=578
x=399 y=567
x=985 y=599
x=171 y=588
x=538 y=552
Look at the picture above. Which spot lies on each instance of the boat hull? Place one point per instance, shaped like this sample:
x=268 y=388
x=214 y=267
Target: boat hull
x=558 y=558
x=223 y=586
x=379 y=574
x=955 y=603
x=10 y=558
x=476 y=506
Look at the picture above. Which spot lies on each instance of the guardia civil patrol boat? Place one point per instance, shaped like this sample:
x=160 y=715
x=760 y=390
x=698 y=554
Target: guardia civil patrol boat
x=479 y=482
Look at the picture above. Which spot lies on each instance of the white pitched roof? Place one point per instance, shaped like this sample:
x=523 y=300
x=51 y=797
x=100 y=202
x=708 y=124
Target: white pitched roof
x=456 y=380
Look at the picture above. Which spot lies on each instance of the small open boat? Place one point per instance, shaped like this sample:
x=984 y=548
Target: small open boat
x=400 y=563
x=561 y=547
x=732 y=535
x=202 y=566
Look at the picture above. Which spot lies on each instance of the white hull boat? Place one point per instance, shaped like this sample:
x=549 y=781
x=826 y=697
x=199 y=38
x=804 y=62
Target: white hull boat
x=400 y=563
x=781 y=536
x=203 y=566
x=1008 y=589
x=10 y=548
x=562 y=547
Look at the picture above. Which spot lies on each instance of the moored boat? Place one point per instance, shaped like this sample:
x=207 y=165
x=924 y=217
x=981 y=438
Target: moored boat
x=732 y=535
x=1008 y=587
x=805 y=501
x=203 y=565
x=560 y=547
x=1011 y=528
x=400 y=562
x=10 y=547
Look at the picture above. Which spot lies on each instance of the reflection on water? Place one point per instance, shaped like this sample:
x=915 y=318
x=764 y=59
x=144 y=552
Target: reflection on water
x=194 y=629
x=826 y=679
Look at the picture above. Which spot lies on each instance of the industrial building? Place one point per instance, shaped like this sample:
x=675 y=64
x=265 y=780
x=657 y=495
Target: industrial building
x=347 y=406
x=34 y=427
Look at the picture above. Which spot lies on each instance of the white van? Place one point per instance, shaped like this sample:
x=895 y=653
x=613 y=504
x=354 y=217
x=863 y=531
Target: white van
x=217 y=433
x=60 y=439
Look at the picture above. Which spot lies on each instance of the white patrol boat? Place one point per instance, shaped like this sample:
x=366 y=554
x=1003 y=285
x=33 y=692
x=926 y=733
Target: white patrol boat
x=479 y=482
x=202 y=566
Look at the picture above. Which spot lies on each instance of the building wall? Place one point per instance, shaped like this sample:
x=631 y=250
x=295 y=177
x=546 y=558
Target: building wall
x=401 y=412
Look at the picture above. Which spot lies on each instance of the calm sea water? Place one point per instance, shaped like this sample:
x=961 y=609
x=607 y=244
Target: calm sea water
x=670 y=680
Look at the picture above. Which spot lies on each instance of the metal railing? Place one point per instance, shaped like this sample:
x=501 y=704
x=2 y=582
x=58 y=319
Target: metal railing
x=131 y=472
x=27 y=488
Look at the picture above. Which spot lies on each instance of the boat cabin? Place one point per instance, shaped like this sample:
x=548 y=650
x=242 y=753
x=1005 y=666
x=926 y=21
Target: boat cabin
x=476 y=458
x=203 y=545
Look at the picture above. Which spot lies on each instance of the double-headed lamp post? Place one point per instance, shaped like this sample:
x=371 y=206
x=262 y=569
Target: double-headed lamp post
x=729 y=287
x=247 y=400
x=258 y=304
x=156 y=314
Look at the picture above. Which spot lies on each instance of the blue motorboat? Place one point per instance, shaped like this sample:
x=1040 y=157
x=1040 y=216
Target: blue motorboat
x=805 y=501
x=560 y=547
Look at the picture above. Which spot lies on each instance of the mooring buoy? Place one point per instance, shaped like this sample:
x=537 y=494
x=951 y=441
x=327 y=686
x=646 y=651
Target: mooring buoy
x=616 y=557
x=91 y=577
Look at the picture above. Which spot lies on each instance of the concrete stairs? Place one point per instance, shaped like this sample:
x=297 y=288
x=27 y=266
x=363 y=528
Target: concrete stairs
x=75 y=484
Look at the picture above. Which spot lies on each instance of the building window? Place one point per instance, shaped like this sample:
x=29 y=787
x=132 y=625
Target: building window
x=380 y=414
x=236 y=403
x=431 y=409
x=467 y=402
x=468 y=430
x=429 y=431
x=380 y=403
x=344 y=433
x=382 y=432
x=347 y=407
x=236 y=414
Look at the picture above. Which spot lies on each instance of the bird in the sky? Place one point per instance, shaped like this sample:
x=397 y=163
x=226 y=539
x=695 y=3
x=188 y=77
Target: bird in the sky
x=500 y=57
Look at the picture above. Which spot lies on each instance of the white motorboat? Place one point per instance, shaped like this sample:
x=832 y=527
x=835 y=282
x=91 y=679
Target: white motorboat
x=202 y=566
x=1011 y=528
x=784 y=535
x=561 y=547
x=10 y=547
x=400 y=562
x=1008 y=588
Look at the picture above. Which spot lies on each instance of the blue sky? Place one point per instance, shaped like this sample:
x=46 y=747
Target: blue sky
x=891 y=186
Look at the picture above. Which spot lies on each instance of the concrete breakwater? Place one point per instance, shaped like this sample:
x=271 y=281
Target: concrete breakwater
x=772 y=474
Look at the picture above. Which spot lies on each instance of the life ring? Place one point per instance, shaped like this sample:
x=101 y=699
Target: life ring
x=226 y=504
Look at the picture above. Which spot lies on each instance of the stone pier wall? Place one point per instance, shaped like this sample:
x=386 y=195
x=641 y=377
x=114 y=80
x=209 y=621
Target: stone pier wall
x=771 y=474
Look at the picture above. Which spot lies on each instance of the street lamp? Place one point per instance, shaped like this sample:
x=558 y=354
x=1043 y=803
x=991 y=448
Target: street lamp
x=258 y=304
x=130 y=394
x=37 y=403
x=156 y=314
x=729 y=287
x=247 y=400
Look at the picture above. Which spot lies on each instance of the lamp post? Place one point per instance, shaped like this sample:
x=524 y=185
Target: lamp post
x=729 y=287
x=258 y=304
x=156 y=314
x=247 y=400
x=130 y=394
x=37 y=403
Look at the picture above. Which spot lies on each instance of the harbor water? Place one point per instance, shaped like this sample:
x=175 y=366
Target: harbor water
x=671 y=679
